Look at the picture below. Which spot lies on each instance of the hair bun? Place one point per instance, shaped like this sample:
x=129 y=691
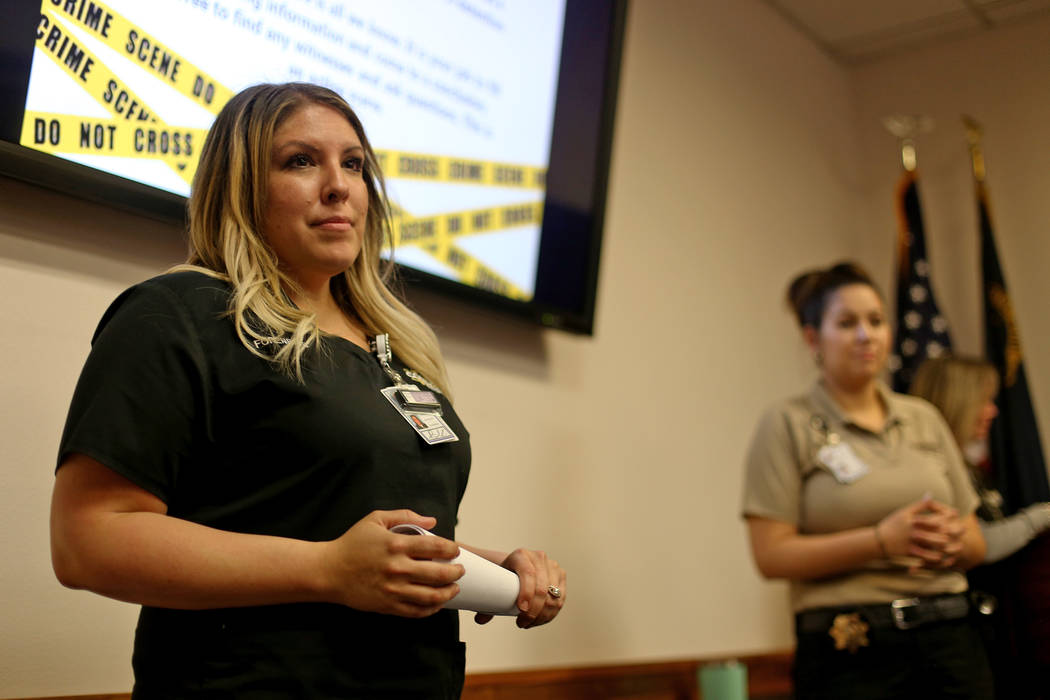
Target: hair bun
x=801 y=290
x=808 y=293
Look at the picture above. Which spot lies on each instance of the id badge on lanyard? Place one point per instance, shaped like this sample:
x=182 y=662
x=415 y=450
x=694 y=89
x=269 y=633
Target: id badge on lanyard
x=419 y=408
x=838 y=456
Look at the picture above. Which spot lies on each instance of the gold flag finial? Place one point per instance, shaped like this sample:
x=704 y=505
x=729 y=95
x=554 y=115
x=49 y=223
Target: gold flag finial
x=974 y=132
x=906 y=127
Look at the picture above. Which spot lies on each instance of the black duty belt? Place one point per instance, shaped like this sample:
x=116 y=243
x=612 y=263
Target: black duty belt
x=902 y=614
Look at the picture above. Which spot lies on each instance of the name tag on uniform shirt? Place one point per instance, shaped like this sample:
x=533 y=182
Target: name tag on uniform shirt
x=843 y=462
x=429 y=425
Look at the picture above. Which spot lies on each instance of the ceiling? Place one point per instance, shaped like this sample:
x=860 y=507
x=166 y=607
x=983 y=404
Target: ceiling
x=855 y=31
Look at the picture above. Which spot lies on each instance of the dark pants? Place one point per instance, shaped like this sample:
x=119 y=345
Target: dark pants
x=295 y=652
x=931 y=662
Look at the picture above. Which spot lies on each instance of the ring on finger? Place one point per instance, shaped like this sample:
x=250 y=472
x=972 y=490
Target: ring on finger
x=554 y=591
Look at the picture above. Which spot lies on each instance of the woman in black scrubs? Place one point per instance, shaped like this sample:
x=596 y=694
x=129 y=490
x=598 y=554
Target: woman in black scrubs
x=236 y=454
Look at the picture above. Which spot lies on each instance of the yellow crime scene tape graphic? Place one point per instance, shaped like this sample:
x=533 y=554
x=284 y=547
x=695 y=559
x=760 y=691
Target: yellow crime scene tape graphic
x=54 y=39
x=420 y=166
x=134 y=43
x=472 y=271
x=136 y=131
x=427 y=230
x=436 y=235
x=71 y=134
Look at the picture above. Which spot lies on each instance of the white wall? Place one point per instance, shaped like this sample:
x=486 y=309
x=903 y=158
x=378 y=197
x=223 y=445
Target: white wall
x=742 y=155
x=733 y=167
x=62 y=261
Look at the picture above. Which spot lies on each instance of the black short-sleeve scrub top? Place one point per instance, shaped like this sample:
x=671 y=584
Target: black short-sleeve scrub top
x=172 y=400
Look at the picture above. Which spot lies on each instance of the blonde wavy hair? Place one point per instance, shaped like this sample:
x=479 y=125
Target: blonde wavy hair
x=225 y=213
x=958 y=387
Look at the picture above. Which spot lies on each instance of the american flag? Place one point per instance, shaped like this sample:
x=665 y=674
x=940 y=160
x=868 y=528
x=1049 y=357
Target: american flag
x=921 y=329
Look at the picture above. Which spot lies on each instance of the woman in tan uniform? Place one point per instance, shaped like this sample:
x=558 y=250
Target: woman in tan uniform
x=859 y=497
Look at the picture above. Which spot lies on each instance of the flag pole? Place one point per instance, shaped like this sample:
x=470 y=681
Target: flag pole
x=974 y=132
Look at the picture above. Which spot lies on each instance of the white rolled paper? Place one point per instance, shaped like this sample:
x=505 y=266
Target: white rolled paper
x=485 y=587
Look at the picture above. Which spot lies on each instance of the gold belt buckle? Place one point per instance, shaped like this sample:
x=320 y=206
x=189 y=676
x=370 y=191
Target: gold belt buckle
x=849 y=632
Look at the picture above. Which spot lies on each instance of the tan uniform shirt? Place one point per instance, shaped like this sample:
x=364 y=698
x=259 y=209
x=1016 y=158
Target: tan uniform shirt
x=913 y=455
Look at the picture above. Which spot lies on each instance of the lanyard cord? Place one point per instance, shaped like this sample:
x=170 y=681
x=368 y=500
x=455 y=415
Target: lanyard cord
x=384 y=355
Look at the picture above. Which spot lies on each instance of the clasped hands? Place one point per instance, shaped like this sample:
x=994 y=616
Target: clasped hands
x=927 y=530
x=370 y=568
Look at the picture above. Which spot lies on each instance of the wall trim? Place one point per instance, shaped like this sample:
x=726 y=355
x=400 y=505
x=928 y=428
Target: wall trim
x=769 y=678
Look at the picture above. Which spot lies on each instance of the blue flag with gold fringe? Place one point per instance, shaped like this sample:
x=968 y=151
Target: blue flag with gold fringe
x=922 y=331
x=1014 y=448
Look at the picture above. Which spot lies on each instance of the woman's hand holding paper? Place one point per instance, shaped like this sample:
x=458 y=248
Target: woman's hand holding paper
x=540 y=578
x=370 y=568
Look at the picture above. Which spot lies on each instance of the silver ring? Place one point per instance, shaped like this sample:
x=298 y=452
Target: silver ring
x=554 y=591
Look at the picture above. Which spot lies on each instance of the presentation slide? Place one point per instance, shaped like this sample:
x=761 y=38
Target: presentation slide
x=456 y=96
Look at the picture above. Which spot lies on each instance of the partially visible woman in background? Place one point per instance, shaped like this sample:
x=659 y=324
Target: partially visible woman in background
x=859 y=498
x=964 y=390
x=1010 y=590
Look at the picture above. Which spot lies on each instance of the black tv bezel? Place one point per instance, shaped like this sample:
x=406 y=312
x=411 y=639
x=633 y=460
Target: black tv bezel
x=577 y=177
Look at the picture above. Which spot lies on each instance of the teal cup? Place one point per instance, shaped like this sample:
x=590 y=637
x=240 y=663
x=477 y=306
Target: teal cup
x=723 y=681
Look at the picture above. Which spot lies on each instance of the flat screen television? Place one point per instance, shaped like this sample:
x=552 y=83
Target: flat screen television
x=492 y=119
